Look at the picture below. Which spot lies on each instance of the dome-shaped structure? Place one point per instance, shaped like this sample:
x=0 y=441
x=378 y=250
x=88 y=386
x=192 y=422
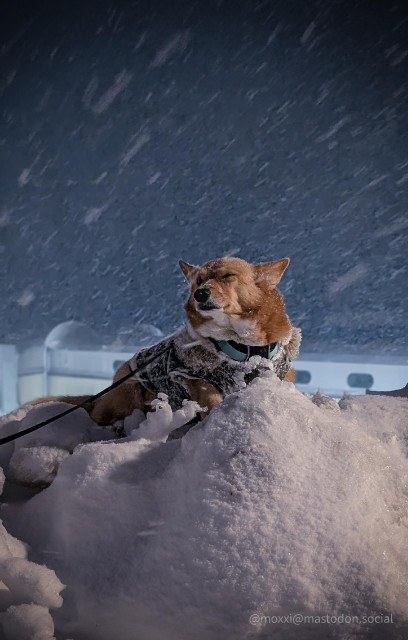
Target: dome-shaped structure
x=71 y=335
x=139 y=335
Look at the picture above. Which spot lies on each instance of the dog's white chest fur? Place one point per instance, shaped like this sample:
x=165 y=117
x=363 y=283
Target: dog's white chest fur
x=224 y=327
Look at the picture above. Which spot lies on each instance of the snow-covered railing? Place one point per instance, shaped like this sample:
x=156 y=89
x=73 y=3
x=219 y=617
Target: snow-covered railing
x=37 y=371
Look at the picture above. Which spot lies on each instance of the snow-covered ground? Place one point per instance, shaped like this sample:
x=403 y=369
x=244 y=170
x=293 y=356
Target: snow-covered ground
x=272 y=507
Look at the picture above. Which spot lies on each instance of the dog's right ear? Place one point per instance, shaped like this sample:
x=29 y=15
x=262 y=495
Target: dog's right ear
x=189 y=270
x=271 y=271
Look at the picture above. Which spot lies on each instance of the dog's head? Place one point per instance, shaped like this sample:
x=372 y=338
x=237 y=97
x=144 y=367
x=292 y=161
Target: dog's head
x=231 y=299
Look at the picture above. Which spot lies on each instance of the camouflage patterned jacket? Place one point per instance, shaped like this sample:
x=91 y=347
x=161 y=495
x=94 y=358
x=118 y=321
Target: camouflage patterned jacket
x=168 y=365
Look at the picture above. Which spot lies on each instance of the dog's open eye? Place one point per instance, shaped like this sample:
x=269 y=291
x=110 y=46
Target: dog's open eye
x=199 y=281
x=227 y=275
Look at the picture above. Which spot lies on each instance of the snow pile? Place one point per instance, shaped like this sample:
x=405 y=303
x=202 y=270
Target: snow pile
x=34 y=459
x=160 y=423
x=28 y=622
x=270 y=507
x=9 y=424
x=30 y=582
x=27 y=592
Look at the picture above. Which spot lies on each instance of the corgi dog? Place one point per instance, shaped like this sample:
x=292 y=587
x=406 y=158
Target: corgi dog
x=236 y=325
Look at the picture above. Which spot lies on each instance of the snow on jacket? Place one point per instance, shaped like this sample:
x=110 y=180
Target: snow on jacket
x=168 y=365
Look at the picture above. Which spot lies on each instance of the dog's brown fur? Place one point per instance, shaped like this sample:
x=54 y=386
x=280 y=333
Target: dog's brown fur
x=249 y=310
x=248 y=293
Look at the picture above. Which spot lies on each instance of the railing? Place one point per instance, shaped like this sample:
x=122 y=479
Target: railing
x=24 y=376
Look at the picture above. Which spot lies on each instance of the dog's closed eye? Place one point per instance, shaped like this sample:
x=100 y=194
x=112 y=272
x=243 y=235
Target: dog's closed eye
x=228 y=275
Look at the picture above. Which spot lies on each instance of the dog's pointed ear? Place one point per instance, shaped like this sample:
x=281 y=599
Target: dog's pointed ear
x=271 y=271
x=189 y=270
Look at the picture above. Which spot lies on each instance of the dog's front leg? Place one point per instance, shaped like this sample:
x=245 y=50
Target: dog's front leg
x=119 y=402
x=205 y=394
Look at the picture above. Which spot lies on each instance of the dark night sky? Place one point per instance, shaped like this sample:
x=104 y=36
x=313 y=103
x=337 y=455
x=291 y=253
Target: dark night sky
x=134 y=134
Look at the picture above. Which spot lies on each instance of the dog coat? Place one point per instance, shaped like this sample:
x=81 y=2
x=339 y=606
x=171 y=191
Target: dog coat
x=167 y=366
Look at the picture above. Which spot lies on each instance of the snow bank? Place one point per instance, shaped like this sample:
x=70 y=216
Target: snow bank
x=270 y=507
x=10 y=547
x=30 y=582
x=34 y=459
x=28 y=622
x=9 y=424
x=27 y=591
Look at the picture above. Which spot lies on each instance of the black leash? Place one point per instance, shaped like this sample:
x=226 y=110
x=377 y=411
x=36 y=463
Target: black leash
x=20 y=434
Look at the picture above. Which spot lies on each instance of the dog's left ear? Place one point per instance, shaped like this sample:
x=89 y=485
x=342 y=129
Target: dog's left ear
x=271 y=271
x=189 y=270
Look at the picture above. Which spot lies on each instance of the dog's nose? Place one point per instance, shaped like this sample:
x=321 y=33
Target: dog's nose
x=202 y=295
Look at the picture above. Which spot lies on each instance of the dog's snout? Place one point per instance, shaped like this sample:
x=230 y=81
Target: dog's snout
x=202 y=295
